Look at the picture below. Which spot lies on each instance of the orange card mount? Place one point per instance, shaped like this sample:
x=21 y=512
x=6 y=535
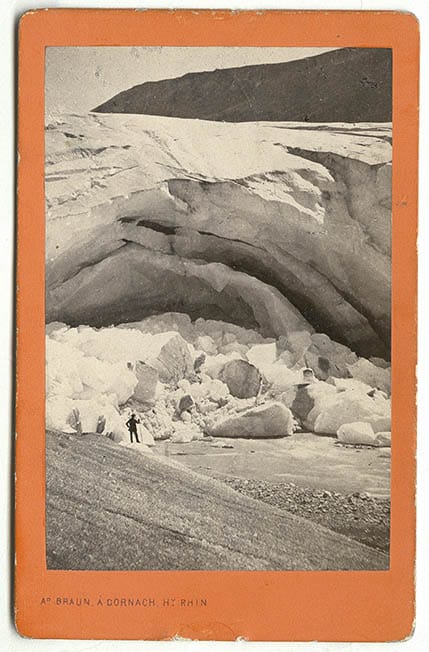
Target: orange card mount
x=217 y=288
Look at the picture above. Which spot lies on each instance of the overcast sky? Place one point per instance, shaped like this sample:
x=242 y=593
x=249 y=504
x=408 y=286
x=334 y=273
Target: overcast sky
x=80 y=78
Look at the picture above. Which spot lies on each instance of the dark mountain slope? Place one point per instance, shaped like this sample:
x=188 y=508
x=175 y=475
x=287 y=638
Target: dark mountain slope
x=345 y=85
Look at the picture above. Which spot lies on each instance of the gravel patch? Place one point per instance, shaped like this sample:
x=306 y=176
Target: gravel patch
x=359 y=516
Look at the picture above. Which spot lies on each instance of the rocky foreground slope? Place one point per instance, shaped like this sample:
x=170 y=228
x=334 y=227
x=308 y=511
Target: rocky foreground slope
x=110 y=509
x=348 y=85
x=277 y=227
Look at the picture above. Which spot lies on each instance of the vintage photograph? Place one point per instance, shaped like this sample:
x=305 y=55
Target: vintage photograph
x=218 y=318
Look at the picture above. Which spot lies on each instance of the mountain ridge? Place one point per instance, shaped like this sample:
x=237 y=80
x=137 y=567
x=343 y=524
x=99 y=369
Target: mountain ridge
x=344 y=85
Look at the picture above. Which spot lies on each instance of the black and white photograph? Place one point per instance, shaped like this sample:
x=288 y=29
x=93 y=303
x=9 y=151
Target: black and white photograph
x=218 y=317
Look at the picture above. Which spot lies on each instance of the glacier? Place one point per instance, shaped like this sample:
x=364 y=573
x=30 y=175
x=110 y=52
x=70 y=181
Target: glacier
x=275 y=227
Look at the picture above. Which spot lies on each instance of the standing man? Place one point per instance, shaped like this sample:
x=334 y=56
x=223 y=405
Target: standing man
x=132 y=427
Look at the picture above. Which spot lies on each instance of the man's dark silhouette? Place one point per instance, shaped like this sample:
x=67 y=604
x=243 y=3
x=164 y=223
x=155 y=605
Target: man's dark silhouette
x=132 y=427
